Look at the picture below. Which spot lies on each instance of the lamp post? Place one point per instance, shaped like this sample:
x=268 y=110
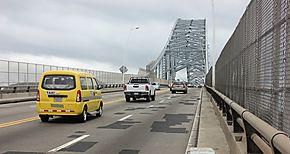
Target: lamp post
x=213 y=45
x=123 y=68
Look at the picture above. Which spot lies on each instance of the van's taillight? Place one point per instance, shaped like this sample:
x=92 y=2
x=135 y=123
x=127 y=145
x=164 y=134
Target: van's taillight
x=146 y=87
x=38 y=96
x=79 y=96
x=125 y=87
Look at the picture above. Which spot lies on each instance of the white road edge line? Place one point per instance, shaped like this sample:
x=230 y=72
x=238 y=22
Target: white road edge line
x=125 y=117
x=68 y=143
x=150 y=106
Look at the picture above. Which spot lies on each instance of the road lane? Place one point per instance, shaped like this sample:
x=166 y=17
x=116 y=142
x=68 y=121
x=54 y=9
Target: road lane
x=23 y=110
x=150 y=128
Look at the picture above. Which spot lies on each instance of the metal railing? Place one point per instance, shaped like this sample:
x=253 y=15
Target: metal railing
x=254 y=66
x=260 y=136
x=20 y=74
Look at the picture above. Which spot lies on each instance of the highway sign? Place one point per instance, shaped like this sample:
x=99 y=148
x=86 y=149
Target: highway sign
x=123 y=69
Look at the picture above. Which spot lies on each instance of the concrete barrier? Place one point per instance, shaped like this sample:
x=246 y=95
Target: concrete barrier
x=31 y=96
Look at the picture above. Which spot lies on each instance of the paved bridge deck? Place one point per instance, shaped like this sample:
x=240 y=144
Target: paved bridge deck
x=210 y=133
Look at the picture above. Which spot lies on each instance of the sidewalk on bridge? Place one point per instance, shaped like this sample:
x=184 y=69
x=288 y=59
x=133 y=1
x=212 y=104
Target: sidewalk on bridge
x=14 y=98
x=210 y=133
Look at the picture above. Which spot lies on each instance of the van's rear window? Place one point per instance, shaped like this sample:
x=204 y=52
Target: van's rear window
x=58 y=82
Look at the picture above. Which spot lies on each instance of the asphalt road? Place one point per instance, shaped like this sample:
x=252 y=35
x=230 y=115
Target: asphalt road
x=138 y=127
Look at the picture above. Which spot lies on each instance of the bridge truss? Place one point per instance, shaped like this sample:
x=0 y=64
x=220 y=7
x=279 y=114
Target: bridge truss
x=185 y=49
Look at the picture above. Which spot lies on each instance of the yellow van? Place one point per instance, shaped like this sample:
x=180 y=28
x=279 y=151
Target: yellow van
x=68 y=93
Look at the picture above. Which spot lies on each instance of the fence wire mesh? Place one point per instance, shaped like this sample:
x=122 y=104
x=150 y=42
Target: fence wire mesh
x=208 y=78
x=14 y=73
x=254 y=66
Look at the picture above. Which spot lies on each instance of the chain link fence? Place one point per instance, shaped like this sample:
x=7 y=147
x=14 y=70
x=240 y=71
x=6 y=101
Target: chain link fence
x=254 y=66
x=208 y=78
x=14 y=73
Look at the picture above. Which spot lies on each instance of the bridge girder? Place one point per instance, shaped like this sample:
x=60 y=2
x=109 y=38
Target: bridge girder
x=186 y=48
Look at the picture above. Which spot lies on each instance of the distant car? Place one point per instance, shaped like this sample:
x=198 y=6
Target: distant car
x=178 y=86
x=156 y=85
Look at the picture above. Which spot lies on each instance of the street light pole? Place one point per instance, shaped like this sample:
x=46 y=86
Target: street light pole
x=213 y=44
x=125 y=50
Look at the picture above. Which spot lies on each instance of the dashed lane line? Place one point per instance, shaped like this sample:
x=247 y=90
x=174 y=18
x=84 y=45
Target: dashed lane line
x=128 y=116
x=68 y=143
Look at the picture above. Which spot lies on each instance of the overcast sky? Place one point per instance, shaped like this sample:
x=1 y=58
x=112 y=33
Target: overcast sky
x=94 y=34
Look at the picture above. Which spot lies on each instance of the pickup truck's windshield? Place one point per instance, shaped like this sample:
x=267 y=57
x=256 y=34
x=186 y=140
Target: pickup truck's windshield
x=139 y=81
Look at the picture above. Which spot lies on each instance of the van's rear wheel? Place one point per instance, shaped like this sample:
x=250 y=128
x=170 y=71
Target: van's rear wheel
x=44 y=118
x=100 y=111
x=83 y=116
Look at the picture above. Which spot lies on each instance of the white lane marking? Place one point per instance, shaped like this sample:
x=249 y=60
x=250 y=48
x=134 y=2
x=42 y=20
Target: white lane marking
x=150 y=106
x=68 y=143
x=161 y=101
x=125 y=117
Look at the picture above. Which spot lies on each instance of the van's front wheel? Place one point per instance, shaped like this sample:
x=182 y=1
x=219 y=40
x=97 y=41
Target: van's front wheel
x=83 y=116
x=100 y=111
x=44 y=118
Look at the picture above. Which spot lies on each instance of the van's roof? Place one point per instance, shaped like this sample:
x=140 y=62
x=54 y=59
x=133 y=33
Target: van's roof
x=68 y=72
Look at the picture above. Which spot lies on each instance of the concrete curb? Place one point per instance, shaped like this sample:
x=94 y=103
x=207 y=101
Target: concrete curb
x=193 y=138
x=16 y=100
x=33 y=98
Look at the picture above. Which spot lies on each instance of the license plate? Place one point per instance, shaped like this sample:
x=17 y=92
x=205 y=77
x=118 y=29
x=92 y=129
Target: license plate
x=56 y=105
x=57 y=99
x=136 y=93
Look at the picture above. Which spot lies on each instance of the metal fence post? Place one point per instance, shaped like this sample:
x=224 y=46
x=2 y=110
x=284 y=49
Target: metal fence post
x=8 y=73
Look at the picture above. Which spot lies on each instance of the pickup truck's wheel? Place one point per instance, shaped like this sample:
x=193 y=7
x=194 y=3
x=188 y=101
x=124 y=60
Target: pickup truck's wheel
x=127 y=99
x=44 y=118
x=153 y=97
x=148 y=98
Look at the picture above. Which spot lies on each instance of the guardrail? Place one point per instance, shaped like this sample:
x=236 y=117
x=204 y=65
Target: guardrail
x=33 y=88
x=260 y=136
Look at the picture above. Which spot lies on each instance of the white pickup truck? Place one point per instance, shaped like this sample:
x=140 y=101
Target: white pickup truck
x=139 y=87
